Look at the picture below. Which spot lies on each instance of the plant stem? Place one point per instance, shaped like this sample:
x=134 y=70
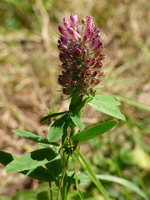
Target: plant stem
x=51 y=195
x=76 y=107
x=76 y=173
x=76 y=167
x=62 y=178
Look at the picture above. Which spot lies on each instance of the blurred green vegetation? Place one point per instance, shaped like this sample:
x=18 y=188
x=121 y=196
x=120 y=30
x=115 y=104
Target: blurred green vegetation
x=29 y=71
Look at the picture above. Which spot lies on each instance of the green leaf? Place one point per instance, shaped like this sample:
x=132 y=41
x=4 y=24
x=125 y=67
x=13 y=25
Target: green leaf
x=57 y=129
x=42 y=145
x=107 y=99
x=94 y=131
x=24 y=195
x=77 y=121
x=32 y=137
x=6 y=158
x=106 y=104
x=32 y=160
x=51 y=116
x=83 y=179
x=39 y=173
x=123 y=182
x=55 y=166
x=43 y=195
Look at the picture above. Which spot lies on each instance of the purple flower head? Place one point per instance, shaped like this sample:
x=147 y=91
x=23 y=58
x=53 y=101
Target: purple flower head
x=81 y=55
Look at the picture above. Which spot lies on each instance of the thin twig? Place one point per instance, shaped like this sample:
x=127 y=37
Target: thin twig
x=39 y=92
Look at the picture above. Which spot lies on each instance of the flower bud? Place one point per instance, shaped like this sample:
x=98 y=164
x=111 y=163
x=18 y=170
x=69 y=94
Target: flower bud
x=98 y=65
x=74 y=20
x=63 y=32
x=90 y=22
x=66 y=23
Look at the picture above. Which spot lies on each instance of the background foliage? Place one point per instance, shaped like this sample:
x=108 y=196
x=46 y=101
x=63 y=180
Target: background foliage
x=29 y=71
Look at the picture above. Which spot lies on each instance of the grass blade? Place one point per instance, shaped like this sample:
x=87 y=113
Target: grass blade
x=85 y=164
x=123 y=182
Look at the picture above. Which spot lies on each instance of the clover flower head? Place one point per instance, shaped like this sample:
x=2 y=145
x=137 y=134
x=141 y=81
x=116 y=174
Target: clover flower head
x=81 y=56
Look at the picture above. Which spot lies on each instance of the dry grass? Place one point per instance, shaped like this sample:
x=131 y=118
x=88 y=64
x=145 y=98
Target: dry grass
x=30 y=66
